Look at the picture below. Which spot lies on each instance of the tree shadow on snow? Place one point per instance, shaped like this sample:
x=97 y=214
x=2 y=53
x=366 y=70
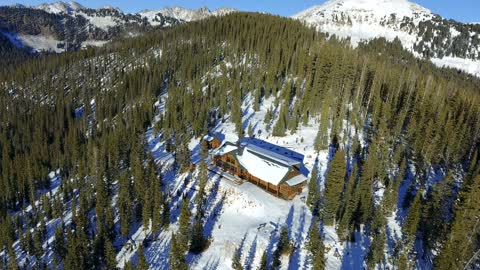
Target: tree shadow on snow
x=298 y=239
x=251 y=254
x=158 y=253
x=354 y=253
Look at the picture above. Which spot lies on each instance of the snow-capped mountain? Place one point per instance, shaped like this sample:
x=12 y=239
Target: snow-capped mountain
x=184 y=14
x=67 y=26
x=445 y=42
x=60 y=7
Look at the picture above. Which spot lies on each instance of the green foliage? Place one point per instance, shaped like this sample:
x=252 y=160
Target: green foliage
x=284 y=247
x=110 y=255
x=334 y=186
x=464 y=230
x=406 y=109
x=142 y=263
x=411 y=224
x=177 y=256
x=184 y=231
x=313 y=196
x=263 y=261
x=348 y=210
x=236 y=263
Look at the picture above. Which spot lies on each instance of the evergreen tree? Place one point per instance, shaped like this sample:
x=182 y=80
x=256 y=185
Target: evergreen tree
x=283 y=247
x=263 y=261
x=142 y=263
x=165 y=214
x=378 y=235
x=177 y=257
x=349 y=206
x=110 y=255
x=462 y=242
x=334 y=186
x=197 y=241
x=236 y=261
x=59 y=247
x=412 y=221
x=313 y=196
x=184 y=226
x=129 y=266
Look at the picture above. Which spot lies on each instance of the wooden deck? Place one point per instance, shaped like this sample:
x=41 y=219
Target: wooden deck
x=233 y=178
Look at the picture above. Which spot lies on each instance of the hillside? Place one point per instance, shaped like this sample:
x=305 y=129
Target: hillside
x=102 y=164
x=427 y=35
x=61 y=26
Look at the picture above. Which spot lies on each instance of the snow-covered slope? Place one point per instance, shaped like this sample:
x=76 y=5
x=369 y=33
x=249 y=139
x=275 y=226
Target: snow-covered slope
x=86 y=26
x=184 y=14
x=60 y=7
x=419 y=30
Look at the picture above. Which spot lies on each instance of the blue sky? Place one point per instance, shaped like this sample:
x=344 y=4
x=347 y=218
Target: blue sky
x=460 y=10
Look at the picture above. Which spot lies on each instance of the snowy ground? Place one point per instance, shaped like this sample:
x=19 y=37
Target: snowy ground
x=244 y=216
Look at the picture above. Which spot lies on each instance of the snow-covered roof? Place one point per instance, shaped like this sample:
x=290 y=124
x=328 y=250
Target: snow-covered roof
x=269 y=171
x=208 y=138
x=297 y=180
x=225 y=148
x=282 y=159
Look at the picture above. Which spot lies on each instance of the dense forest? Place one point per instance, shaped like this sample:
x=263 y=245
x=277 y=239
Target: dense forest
x=388 y=119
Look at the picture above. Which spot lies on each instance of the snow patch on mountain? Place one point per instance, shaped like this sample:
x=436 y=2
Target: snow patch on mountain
x=37 y=43
x=102 y=22
x=185 y=14
x=467 y=65
x=363 y=20
x=60 y=7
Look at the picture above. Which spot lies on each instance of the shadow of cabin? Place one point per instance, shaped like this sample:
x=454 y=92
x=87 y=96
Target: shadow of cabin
x=278 y=172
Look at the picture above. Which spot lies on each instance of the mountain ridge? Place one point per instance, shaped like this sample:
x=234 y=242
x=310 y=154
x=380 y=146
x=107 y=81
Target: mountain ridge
x=86 y=26
x=427 y=35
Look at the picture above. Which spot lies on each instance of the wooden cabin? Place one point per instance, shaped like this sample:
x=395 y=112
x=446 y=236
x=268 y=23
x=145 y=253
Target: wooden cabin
x=275 y=173
x=211 y=142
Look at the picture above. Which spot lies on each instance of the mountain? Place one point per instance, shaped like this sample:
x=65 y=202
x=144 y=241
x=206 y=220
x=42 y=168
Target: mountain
x=184 y=14
x=427 y=35
x=63 y=26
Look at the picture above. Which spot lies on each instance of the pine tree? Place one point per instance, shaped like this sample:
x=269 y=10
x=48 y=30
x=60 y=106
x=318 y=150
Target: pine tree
x=59 y=243
x=461 y=243
x=236 y=261
x=263 y=261
x=165 y=214
x=315 y=243
x=12 y=260
x=184 y=226
x=283 y=247
x=349 y=207
x=378 y=235
x=124 y=203
x=142 y=263
x=177 y=257
x=129 y=266
x=334 y=186
x=412 y=221
x=197 y=241
x=319 y=262
x=110 y=256
x=313 y=192
x=38 y=244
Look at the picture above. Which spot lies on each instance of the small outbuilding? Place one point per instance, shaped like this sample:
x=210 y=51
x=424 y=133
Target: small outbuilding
x=211 y=142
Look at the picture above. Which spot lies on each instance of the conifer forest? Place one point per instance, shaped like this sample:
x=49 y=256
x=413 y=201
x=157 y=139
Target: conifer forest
x=102 y=164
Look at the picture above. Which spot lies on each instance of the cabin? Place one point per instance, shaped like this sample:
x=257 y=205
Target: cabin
x=272 y=171
x=211 y=142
